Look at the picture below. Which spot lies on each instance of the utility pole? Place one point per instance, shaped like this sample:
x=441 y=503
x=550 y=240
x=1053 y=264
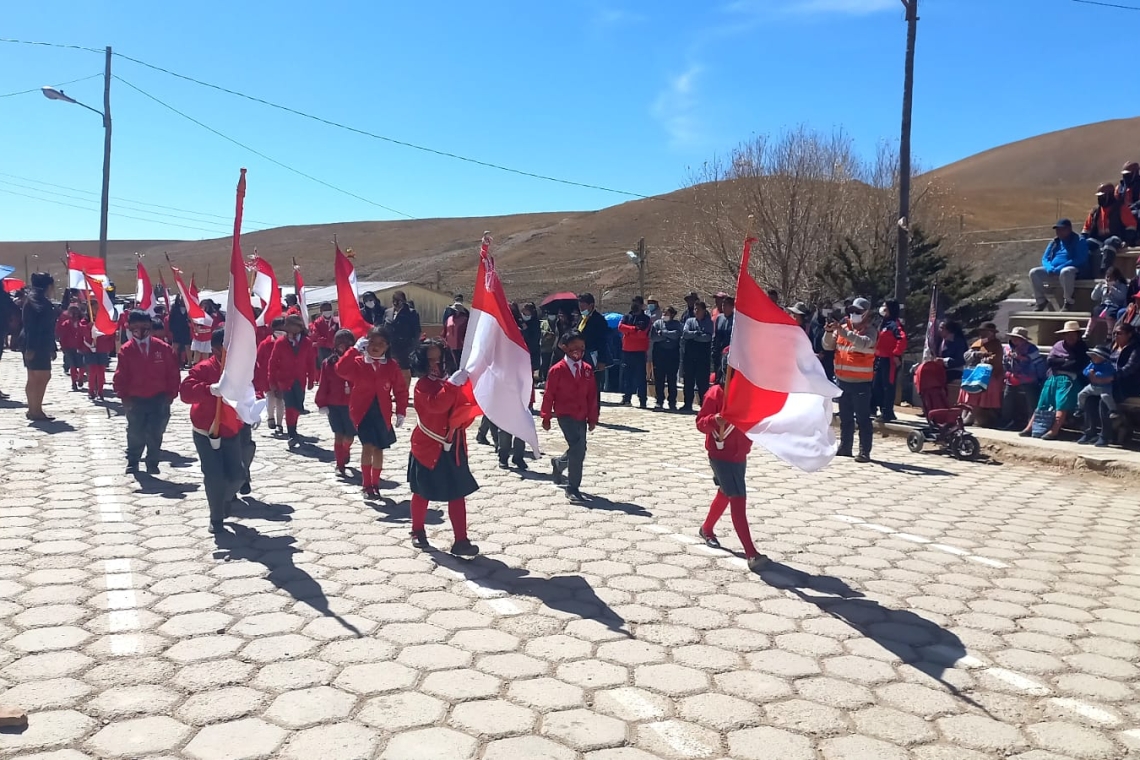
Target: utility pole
x=642 y=262
x=106 y=156
x=902 y=256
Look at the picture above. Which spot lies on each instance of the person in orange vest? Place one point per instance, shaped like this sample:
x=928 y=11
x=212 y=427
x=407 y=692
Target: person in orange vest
x=1112 y=218
x=854 y=347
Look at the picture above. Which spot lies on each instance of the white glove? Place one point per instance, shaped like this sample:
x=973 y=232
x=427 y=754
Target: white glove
x=324 y=411
x=458 y=378
x=362 y=344
x=216 y=390
x=399 y=420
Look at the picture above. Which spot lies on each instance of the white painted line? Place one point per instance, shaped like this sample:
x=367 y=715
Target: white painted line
x=950 y=549
x=124 y=645
x=655 y=528
x=638 y=706
x=986 y=561
x=109 y=498
x=912 y=537
x=920 y=540
x=102 y=480
x=684 y=539
x=1132 y=734
x=952 y=655
x=122 y=600
x=123 y=620
x=1085 y=710
x=504 y=607
x=876 y=527
x=483 y=591
x=711 y=551
x=117 y=566
x=1019 y=681
x=119 y=580
x=676 y=736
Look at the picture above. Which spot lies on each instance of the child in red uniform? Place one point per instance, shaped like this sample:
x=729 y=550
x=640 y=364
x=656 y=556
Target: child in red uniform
x=292 y=370
x=377 y=386
x=324 y=329
x=69 y=331
x=146 y=379
x=275 y=407
x=728 y=450
x=96 y=359
x=437 y=466
x=332 y=399
x=571 y=395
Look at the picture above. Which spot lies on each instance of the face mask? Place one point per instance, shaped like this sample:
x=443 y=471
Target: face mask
x=858 y=319
x=526 y=317
x=652 y=308
x=369 y=304
x=884 y=313
x=326 y=314
x=577 y=355
x=143 y=341
x=278 y=333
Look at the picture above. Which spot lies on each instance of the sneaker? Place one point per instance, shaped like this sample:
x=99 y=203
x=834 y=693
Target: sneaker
x=863 y=457
x=1101 y=443
x=574 y=494
x=464 y=548
x=1068 y=306
x=757 y=562
x=557 y=470
x=419 y=539
x=1086 y=439
x=709 y=539
x=685 y=409
x=152 y=468
x=520 y=464
x=503 y=465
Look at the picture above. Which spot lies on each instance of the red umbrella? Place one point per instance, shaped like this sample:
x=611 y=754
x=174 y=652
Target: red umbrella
x=11 y=284
x=559 y=297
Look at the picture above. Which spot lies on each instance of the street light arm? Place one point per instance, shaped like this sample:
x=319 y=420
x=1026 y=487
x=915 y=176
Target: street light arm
x=52 y=93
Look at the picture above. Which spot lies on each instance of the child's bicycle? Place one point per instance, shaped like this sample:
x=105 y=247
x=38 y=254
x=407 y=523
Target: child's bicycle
x=947 y=428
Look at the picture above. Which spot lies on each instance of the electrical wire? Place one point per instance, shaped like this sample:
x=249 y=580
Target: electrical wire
x=52 y=44
x=262 y=155
x=1108 y=5
x=61 y=84
x=112 y=213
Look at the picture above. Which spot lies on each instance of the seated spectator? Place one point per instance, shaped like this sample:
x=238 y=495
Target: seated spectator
x=1111 y=218
x=1132 y=305
x=1024 y=373
x=1100 y=409
x=1110 y=296
x=953 y=350
x=1129 y=189
x=987 y=349
x=1098 y=393
x=1062 y=261
x=1067 y=361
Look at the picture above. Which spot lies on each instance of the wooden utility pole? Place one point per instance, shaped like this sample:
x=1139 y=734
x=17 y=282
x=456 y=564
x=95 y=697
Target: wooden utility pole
x=902 y=256
x=642 y=262
x=105 y=199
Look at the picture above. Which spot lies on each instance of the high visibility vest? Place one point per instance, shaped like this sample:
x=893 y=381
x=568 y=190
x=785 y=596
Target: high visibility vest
x=853 y=365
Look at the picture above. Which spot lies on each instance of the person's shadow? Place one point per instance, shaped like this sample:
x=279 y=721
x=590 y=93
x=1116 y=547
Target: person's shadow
x=175 y=459
x=591 y=501
x=276 y=554
x=251 y=508
x=400 y=512
x=152 y=486
x=571 y=594
x=51 y=427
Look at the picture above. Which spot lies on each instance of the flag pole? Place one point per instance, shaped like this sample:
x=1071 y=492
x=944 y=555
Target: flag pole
x=214 y=428
x=749 y=227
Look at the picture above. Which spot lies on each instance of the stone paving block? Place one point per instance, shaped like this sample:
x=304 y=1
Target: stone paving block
x=130 y=701
x=671 y=680
x=294 y=674
x=1072 y=739
x=309 y=707
x=376 y=678
x=460 y=685
x=221 y=705
x=806 y=716
x=248 y=739
x=860 y=748
x=343 y=741
x=492 y=718
x=584 y=730
x=982 y=733
x=46 y=730
x=529 y=747
x=718 y=711
x=767 y=743
x=51 y=694
x=545 y=694
x=430 y=744
x=592 y=674
x=396 y=712
x=141 y=736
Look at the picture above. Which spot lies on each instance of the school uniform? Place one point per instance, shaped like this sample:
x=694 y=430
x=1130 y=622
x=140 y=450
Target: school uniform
x=322 y=331
x=146 y=378
x=292 y=369
x=225 y=469
x=728 y=460
x=97 y=358
x=333 y=394
x=378 y=390
x=200 y=336
x=571 y=395
x=69 y=333
x=438 y=468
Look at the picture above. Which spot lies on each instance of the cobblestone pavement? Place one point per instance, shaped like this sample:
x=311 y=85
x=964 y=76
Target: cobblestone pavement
x=921 y=608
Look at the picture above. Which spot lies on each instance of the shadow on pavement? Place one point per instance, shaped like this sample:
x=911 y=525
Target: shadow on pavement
x=571 y=594
x=152 y=486
x=400 y=512
x=250 y=508
x=9 y=403
x=51 y=427
x=621 y=428
x=914 y=469
x=174 y=459
x=276 y=554
x=592 y=501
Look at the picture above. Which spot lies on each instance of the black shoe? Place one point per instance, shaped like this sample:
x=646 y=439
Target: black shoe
x=626 y=402
x=245 y=489
x=1086 y=439
x=686 y=409
x=842 y=452
x=503 y=465
x=574 y=494
x=272 y=424
x=658 y=407
x=1101 y=443
x=1025 y=434
x=644 y=404
x=1043 y=306
x=74 y=386
x=520 y=464
x=216 y=527
x=557 y=469
x=1068 y=306
x=481 y=438
x=863 y=457
x=419 y=539
x=464 y=548
x=132 y=468
x=152 y=468
x=758 y=562
x=709 y=539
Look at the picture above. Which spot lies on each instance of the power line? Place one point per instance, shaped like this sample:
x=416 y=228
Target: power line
x=51 y=44
x=61 y=84
x=262 y=155
x=113 y=213
x=1109 y=5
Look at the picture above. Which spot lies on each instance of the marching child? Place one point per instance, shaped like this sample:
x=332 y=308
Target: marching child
x=275 y=405
x=147 y=377
x=323 y=330
x=378 y=388
x=572 y=396
x=96 y=359
x=292 y=371
x=332 y=399
x=728 y=450
x=438 y=468
x=69 y=331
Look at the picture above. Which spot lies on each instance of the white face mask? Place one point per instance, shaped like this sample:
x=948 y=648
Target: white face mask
x=278 y=333
x=858 y=319
x=369 y=303
x=326 y=314
x=883 y=312
x=526 y=317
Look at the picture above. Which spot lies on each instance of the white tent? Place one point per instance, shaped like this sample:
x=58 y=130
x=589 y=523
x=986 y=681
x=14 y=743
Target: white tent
x=313 y=295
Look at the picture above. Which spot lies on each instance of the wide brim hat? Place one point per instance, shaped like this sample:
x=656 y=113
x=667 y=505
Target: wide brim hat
x=1071 y=326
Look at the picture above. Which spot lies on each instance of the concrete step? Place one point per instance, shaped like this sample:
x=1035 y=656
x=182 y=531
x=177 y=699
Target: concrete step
x=1043 y=326
x=1082 y=295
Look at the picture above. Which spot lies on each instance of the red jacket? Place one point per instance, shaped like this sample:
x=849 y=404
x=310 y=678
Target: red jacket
x=102 y=344
x=69 y=333
x=334 y=390
x=381 y=381
x=322 y=331
x=446 y=410
x=570 y=396
x=204 y=405
x=263 y=332
x=261 y=365
x=156 y=373
x=891 y=343
x=633 y=337
x=290 y=364
x=736 y=444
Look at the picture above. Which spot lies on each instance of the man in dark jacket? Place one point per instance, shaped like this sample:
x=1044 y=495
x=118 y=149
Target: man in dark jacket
x=404 y=322
x=666 y=339
x=1111 y=218
x=596 y=332
x=1129 y=188
x=722 y=334
x=696 y=348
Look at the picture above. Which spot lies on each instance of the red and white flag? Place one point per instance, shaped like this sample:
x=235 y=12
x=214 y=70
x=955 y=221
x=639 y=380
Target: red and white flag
x=80 y=268
x=265 y=287
x=299 y=291
x=103 y=317
x=495 y=356
x=193 y=308
x=194 y=288
x=347 y=299
x=144 y=291
x=236 y=384
x=777 y=392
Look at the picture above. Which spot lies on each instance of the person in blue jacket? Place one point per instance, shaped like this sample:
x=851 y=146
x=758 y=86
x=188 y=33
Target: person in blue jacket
x=1064 y=258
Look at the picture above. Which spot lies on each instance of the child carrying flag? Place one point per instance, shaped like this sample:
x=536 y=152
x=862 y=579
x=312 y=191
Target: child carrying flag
x=728 y=450
x=332 y=399
x=292 y=371
x=572 y=396
x=69 y=330
x=275 y=407
x=96 y=359
x=378 y=387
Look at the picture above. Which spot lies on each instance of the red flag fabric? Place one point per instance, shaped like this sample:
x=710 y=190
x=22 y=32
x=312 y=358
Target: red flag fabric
x=144 y=291
x=193 y=288
x=346 y=297
x=266 y=288
x=11 y=285
x=100 y=303
x=299 y=291
x=193 y=308
x=80 y=267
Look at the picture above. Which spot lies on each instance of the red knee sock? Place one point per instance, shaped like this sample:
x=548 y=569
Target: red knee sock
x=740 y=523
x=457 y=513
x=95 y=384
x=366 y=475
x=716 y=509
x=419 y=512
x=291 y=417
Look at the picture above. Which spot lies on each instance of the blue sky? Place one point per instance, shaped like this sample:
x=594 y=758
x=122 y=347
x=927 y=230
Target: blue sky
x=620 y=93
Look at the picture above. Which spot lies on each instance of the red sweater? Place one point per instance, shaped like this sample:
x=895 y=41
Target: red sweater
x=633 y=338
x=290 y=364
x=736 y=444
x=263 y=332
x=322 y=331
x=381 y=381
x=204 y=405
x=261 y=365
x=334 y=390
x=570 y=396
x=102 y=344
x=156 y=373
x=69 y=333
x=446 y=410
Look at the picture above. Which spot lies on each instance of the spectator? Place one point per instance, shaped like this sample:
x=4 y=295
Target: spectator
x=953 y=350
x=371 y=310
x=549 y=341
x=690 y=307
x=653 y=311
x=179 y=326
x=1024 y=372
x=987 y=349
x=7 y=319
x=1129 y=189
x=890 y=345
x=816 y=332
x=404 y=327
x=1097 y=396
x=1062 y=262
x=854 y=371
x=596 y=333
x=722 y=334
x=1110 y=218
x=696 y=347
x=1126 y=354
x=665 y=337
x=455 y=332
x=634 y=330
x=39 y=318
x=801 y=312
x=455 y=306
x=532 y=333
x=1067 y=361
x=1110 y=296
x=718 y=305
x=1100 y=408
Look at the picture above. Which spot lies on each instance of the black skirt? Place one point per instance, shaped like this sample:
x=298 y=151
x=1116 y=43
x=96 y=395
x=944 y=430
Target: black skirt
x=373 y=430
x=447 y=481
x=341 y=422
x=294 y=398
x=98 y=358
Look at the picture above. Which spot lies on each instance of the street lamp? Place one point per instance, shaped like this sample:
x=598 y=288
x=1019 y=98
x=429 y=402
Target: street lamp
x=641 y=259
x=51 y=93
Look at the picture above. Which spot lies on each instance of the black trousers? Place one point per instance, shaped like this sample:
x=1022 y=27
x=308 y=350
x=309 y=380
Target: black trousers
x=855 y=411
x=695 y=368
x=633 y=376
x=665 y=367
x=224 y=470
x=575 y=433
x=1098 y=420
x=146 y=425
x=1018 y=402
x=510 y=447
x=883 y=390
